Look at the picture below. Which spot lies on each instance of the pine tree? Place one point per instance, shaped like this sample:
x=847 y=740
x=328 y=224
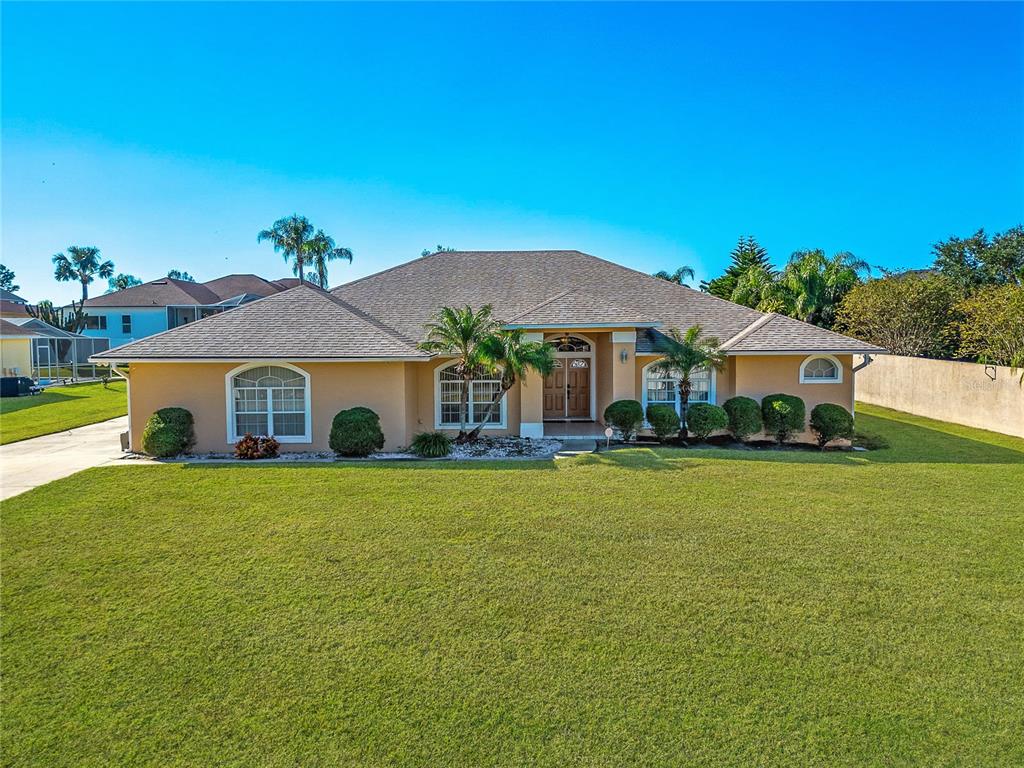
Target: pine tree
x=747 y=253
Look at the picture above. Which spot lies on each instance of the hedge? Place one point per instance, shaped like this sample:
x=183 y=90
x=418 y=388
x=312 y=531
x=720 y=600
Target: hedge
x=169 y=432
x=784 y=416
x=356 y=432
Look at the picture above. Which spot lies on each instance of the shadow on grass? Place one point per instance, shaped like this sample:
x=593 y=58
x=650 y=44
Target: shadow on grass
x=471 y=465
x=15 y=404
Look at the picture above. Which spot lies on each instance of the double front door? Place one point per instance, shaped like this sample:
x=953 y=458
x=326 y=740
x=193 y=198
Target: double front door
x=567 y=389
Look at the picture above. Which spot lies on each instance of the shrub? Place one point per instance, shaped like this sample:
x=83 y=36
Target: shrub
x=744 y=417
x=168 y=432
x=356 y=432
x=783 y=415
x=830 y=421
x=663 y=419
x=627 y=416
x=703 y=418
x=431 y=445
x=250 y=447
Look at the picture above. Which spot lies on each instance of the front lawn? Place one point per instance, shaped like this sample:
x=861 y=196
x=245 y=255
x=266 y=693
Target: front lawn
x=60 y=408
x=643 y=607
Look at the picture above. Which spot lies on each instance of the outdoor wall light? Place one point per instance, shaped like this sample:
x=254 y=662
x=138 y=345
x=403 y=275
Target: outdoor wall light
x=623 y=355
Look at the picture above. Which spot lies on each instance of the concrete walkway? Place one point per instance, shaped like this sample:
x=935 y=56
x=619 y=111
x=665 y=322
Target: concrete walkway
x=28 y=464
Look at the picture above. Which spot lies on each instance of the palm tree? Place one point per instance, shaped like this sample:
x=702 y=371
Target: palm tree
x=289 y=237
x=817 y=283
x=684 y=353
x=122 y=281
x=678 y=277
x=760 y=289
x=508 y=353
x=83 y=264
x=320 y=249
x=461 y=333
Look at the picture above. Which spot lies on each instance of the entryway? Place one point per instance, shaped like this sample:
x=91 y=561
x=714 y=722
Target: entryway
x=567 y=389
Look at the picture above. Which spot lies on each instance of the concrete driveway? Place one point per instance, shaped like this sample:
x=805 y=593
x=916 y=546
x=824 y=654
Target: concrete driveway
x=30 y=463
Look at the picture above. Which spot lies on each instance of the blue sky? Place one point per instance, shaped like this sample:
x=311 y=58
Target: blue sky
x=653 y=135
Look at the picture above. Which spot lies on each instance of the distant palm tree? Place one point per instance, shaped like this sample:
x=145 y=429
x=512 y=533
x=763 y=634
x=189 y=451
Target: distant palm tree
x=817 y=283
x=438 y=249
x=289 y=237
x=507 y=353
x=684 y=353
x=320 y=250
x=83 y=264
x=678 y=277
x=122 y=281
x=760 y=289
x=461 y=333
x=177 y=274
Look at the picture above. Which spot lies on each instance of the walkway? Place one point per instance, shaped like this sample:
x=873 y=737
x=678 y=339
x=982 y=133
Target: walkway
x=28 y=464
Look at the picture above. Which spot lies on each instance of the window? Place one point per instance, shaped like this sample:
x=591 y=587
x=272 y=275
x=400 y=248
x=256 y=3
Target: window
x=269 y=400
x=96 y=322
x=482 y=390
x=821 y=369
x=662 y=387
x=126 y=325
x=570 y=344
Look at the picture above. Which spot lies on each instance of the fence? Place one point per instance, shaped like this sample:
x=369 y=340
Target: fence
x=62 y=357
x=984 y=396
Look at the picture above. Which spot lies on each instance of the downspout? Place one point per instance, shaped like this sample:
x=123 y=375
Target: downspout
x=868 y=360
x=126 y=444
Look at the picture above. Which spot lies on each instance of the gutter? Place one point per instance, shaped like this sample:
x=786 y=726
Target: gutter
x=868 y=360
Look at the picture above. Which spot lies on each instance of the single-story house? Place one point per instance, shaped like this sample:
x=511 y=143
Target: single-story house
x=142 y=310
x=16 y=349
x=287 y=363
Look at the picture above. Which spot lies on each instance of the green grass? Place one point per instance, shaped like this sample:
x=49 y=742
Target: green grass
x=647 y=607
x=60 y=408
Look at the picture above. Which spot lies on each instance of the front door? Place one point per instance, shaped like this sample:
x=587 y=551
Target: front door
x=554 y=392
x=578 y=388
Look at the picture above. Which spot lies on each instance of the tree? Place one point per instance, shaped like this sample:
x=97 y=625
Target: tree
x=746 y=254
x=678 y=277
x=817 y=284
x=977 y=260
x=438 y=249
x=289 y=237
x=760 y=289
x=177 y=274
x=508 y=353
x=122 y=281
x=684 y=353
x=7 y=280
x=72 y=321
x=907 y=314
x=992 y=328
x=83 y=264
x=319 y=251
x=461 y=333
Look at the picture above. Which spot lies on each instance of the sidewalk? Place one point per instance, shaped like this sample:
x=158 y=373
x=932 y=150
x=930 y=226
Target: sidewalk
x=30 y=463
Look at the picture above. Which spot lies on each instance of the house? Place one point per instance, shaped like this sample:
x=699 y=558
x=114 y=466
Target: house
x=12 y=305
x=142 y=310
x=16 y=349
x=287 y=363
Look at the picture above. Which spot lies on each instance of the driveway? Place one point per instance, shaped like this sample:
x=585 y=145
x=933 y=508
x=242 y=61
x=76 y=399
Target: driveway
x=30 y=463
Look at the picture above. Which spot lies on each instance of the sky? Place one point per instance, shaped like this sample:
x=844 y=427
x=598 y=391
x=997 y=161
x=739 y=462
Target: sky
x=653 y=135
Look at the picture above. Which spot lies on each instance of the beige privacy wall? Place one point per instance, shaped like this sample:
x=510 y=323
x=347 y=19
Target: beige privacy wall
x=988 y=397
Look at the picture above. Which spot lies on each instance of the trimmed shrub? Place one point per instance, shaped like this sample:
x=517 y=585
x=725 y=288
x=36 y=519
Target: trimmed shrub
x=784 y=416
x=664 y=420
x=356 y=432
x=431 y=445
x=830 y=421
x=627 y=416
x=703 y=418
x=744 y=417
x=250 y=447
x=168 y=432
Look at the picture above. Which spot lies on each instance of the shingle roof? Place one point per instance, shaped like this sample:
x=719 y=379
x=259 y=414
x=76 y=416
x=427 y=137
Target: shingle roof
x=229 y=286
x=13 y=309
x=300 y=323
x=157 y=293
x=778 y=333
x=13 y=329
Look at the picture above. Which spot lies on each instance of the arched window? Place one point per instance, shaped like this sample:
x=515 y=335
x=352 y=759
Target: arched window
x=269 y=400
x=821 y=369
x=448 y=386
x=662 y=387
x=569 y=344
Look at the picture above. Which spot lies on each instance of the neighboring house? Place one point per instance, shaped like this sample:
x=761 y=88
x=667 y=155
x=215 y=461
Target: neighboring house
x=16 y=349
x=142 y=310
x=12 y=305
x=286 y=364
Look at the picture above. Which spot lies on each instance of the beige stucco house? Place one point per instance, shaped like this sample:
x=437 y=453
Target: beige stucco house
x=286 y=364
